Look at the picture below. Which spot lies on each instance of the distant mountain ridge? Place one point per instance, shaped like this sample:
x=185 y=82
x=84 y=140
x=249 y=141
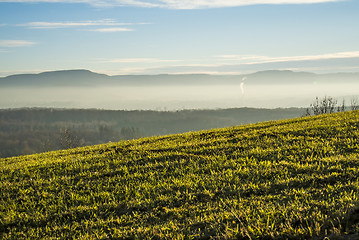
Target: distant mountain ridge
x=82 y=77
x=54 y=78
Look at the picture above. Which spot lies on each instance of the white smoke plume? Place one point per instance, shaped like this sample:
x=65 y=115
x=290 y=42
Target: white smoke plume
x=242 y=84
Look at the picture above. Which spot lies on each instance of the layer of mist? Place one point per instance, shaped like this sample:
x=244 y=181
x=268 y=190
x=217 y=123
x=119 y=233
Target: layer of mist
x=173 y=97
x=84 y=89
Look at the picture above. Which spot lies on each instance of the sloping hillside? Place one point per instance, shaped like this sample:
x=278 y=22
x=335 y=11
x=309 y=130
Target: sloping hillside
x=292 y=179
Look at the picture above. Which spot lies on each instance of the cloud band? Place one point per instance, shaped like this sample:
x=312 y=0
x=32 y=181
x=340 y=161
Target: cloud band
x=180 y=4
x=15 y=43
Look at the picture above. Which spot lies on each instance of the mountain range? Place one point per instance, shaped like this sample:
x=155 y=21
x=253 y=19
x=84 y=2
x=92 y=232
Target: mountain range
x=85 y=78
x=86 y=89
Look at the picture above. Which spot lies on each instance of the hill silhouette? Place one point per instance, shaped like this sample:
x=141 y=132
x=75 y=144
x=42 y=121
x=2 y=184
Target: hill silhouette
x=87 y=78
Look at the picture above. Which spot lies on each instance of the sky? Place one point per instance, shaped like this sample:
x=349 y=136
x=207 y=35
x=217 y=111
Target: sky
x=179 y=36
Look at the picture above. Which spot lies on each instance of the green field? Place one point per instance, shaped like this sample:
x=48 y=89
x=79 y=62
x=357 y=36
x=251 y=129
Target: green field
x=290 y=179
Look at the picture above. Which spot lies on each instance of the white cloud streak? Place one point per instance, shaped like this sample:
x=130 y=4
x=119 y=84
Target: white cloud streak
x=239 y=64
x=180 y=4
x=111 y=30
x=15 y=43
x=55 y=25
x=254 y=59
x=138 y=60
x=229 y=64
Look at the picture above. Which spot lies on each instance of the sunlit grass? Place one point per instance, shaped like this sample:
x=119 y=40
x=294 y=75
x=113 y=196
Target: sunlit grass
x=276 y=180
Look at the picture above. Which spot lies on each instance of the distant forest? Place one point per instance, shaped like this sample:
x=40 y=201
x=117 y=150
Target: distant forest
x=35 y=130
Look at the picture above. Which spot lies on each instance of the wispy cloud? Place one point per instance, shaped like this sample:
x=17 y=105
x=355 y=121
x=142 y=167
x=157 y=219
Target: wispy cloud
x=138 y=60
x=240 y=64
x=255 y=59
x=181 y=4
x=111 y=30
x=15 y=43
x=201 y=4
x=225 y=64
x=55 y=25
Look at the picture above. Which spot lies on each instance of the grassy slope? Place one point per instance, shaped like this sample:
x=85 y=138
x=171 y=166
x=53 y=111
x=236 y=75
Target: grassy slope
x=284 y=179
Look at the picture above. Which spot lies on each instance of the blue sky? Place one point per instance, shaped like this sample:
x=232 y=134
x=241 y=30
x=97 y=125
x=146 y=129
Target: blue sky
x=173 y=36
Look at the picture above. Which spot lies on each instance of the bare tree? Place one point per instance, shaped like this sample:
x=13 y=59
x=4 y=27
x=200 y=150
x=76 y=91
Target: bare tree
x=341 y=108
x=354 y=103
x=68 y=139
x=324 y=105
x=47 y=146
x=130 y=133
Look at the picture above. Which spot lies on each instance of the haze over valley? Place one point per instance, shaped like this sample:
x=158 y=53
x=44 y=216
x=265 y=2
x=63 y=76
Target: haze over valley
x=85 y=89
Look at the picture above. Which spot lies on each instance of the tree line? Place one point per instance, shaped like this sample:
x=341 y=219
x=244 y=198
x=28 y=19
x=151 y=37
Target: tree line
x=35 y=130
